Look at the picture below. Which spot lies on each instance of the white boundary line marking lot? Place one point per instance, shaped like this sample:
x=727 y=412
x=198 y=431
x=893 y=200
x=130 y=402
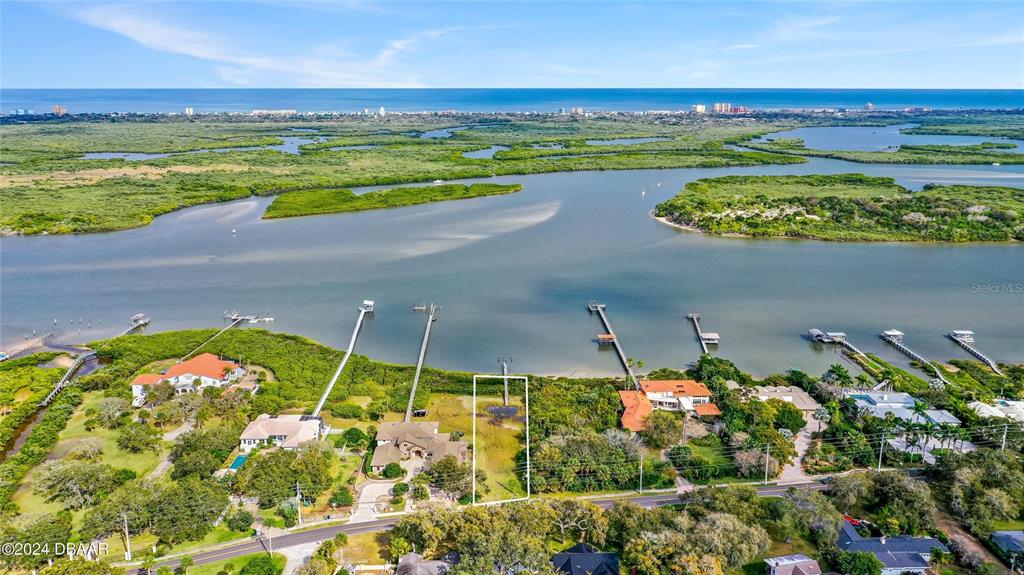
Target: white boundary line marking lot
x=526 y=381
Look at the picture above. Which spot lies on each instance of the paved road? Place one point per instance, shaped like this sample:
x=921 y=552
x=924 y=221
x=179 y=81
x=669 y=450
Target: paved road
x=322 y=533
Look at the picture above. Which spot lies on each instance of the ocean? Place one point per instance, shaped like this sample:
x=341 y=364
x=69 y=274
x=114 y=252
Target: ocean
x=490 y=100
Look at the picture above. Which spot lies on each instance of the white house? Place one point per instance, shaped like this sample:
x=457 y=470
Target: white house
x=900 y=405
x=284 y=431
x=1002 y=408
x=204 y=370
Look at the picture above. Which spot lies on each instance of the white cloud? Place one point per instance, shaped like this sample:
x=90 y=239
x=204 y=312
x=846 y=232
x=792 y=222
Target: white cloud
x=801 y=27
x=733 y=47
x=324 y=66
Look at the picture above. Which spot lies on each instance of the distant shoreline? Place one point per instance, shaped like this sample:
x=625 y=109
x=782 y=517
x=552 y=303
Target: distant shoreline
x=496 y=100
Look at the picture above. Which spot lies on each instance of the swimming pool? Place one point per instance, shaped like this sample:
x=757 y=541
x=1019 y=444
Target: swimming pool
x=239 y=461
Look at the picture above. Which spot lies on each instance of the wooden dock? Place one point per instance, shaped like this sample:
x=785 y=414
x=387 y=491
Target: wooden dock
x=836 y=337
x=705 y=338
x=895 y=339
x=611 y=338
x=137 y=321
x=431 y=318
x=365 y=308
x=964 y=339
x=68 y=376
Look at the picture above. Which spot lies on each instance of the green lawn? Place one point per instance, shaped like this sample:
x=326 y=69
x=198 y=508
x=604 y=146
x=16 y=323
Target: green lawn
x=365 y=548
x=237 y=562
x=798 y=545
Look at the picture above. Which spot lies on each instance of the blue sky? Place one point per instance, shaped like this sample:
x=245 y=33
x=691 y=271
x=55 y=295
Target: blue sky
x=281 y=44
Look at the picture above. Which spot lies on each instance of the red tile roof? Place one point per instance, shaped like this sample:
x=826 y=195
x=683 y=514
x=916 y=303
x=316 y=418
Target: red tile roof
x=204 y=364
x=707 y=409
x=677 y=387
x=147 y=379
x=638 y=407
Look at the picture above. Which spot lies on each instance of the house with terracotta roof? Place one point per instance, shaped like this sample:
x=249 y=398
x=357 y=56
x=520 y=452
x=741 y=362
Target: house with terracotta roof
x=203 y=370
x=638 y=407
x=290 y=431
x=671 y=395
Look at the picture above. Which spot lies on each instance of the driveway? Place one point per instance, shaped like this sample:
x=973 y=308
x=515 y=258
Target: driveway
x=365 y=509
x=794 y=472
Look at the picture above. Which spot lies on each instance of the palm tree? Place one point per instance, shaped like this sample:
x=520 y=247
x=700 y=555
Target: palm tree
x=822 y=415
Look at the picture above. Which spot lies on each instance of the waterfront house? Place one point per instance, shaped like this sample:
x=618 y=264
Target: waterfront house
x=680 y=395
x=684 y=395
x=789 y=394
x=584 y=559
x=900 y=405
x=285 y=431
x=637 y=408
x=798 y=564
x=203 y=370
x=417 y=442
x=900 y=554
x=1002 y=409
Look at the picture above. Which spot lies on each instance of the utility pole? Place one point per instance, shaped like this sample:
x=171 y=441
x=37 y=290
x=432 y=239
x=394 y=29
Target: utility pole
x=298 y=502
x=881 y=446
x=504 y=372
x=767 y=456
x=127 y=541
x=641 y=470
x=1002 y=448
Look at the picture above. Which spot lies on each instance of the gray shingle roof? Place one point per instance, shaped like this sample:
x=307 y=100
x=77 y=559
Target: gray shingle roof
x=894 y=552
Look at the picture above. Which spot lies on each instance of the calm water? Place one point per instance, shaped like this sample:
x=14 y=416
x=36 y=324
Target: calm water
x=888 y=138
x=513 y=275
x=492 y=100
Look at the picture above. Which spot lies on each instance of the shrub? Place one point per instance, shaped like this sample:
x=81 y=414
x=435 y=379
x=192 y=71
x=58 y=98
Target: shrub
x=400 y=488
x=393 y=471
x=259 y=565
x=240 y=520
x=420 y=492
x=342 y=497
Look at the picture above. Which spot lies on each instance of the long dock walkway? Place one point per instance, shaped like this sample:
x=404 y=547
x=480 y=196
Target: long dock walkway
x=614 y=340
x=68 y=376
x=431 y=317
x=704 y=337
x=964 y=339
x=695 y=318
x=895 y=339
x=364 y=309
x=836 y=337
x=214 y=336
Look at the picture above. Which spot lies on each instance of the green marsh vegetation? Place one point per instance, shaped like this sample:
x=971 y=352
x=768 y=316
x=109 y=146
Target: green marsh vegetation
x=846 y=207
x=50 y=189
x=984 y=153
x=308 y=202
